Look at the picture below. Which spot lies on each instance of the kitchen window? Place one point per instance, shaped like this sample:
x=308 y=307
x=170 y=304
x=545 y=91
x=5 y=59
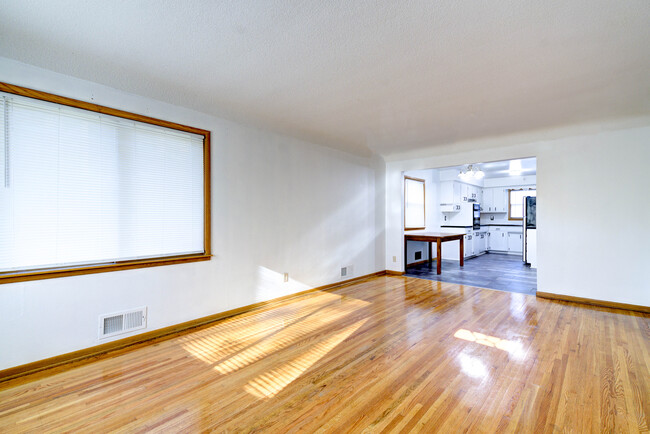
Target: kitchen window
x=87 y=189
x=516 y=202
x=413 y=203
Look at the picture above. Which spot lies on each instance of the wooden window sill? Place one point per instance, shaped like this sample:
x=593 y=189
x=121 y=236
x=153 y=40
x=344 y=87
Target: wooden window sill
x=21 y=276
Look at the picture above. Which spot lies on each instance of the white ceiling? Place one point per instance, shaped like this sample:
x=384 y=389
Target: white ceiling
x=502 y=169
x=359 y=75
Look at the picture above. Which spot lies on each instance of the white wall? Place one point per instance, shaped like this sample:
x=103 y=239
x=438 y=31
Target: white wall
x=278 y=205
x=584 y=183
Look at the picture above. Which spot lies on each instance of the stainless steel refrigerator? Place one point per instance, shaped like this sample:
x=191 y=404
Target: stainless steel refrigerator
x=530 y=229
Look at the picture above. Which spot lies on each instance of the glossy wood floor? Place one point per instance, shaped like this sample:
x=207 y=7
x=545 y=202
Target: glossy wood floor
x=389 y=354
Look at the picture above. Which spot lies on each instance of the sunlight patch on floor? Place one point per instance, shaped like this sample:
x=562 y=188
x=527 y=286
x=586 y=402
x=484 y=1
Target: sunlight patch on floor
x=272 y=382
x=235 y=344
x=512 y=347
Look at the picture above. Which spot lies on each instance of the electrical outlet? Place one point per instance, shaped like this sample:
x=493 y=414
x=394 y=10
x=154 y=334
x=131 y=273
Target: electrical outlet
x=394 y=258
x=286 y=277
x=445 y=218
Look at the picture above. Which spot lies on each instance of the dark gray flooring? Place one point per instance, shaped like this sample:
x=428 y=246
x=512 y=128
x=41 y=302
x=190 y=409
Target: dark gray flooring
x=491 y=270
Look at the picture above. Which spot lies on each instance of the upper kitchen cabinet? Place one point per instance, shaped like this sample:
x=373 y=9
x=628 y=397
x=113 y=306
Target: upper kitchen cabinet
x=488 y=200
x=475 y=193
x=464 y=192
x=453 y=192
x=494 y=200
x=450 y=193
x=500 y=196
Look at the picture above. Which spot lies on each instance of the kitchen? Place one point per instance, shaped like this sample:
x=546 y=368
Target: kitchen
x=493 y=205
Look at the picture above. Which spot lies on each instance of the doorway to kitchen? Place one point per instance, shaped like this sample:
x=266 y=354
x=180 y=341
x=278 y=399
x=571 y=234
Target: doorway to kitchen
x=491 y=206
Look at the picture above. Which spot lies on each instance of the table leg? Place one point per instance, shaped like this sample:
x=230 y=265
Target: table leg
x=405 y=256
x=462 y=250
x=439 y=257
x=430 y=253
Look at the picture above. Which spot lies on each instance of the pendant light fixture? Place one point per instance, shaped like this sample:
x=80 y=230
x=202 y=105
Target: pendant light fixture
x=471 y=171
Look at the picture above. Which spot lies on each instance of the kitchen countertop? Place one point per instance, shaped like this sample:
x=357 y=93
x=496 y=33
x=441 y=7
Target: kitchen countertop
x=484 y=228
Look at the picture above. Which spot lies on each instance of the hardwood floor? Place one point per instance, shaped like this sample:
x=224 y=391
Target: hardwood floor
x=492 y=270
x=388 y=354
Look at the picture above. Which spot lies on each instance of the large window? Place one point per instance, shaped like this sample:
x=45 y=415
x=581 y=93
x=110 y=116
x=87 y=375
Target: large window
x=86 y=188
x=413 y=203
x=516 y=202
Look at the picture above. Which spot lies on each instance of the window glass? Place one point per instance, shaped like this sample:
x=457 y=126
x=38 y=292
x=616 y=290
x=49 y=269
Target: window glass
x=82 y=188
x=516 y=203
x=413 y=203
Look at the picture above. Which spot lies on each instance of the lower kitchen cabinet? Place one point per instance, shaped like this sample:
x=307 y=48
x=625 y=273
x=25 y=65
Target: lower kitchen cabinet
x=480 y=242
x=499 y=240
x=469 y=245
x=515 y=242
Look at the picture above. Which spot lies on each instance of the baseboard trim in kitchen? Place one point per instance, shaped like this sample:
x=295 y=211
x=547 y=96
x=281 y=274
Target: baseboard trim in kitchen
x=424 y=261
x=593 y=302
x=133 y=342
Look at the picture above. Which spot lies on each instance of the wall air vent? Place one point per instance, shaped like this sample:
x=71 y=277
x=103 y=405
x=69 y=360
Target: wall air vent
x=346 y=271
x=122 y=322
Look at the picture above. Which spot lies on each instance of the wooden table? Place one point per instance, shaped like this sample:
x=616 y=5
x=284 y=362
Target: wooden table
x=438 y=238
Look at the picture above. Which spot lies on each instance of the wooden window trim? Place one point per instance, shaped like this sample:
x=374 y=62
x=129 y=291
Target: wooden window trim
x=424 y=205
x=90 y=268
x=510 y=218
x=510 y=190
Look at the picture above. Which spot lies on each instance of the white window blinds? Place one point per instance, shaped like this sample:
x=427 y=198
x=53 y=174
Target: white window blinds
x=413 y=203
x=79 y=187
x=517 y=202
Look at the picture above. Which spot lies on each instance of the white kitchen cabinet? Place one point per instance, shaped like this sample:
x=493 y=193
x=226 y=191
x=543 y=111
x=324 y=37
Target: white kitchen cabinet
x=471 y=193
x=499 y=240
x=488 y=199
x=452 y=207
x=500 y=200
x=480 y=242
x=450 y=192
x=515 y=242
x=494 y=200
x=469 y=245
x=464 y=192
x=453 y=192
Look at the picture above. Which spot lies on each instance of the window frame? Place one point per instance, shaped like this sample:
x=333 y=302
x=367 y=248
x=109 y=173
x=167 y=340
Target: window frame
x=47 y=273
x=510 y=190
x=424 y=205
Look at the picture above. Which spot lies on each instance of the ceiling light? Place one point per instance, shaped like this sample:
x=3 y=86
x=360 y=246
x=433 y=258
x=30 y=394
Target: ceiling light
x=514 y=168
x=471 y=171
